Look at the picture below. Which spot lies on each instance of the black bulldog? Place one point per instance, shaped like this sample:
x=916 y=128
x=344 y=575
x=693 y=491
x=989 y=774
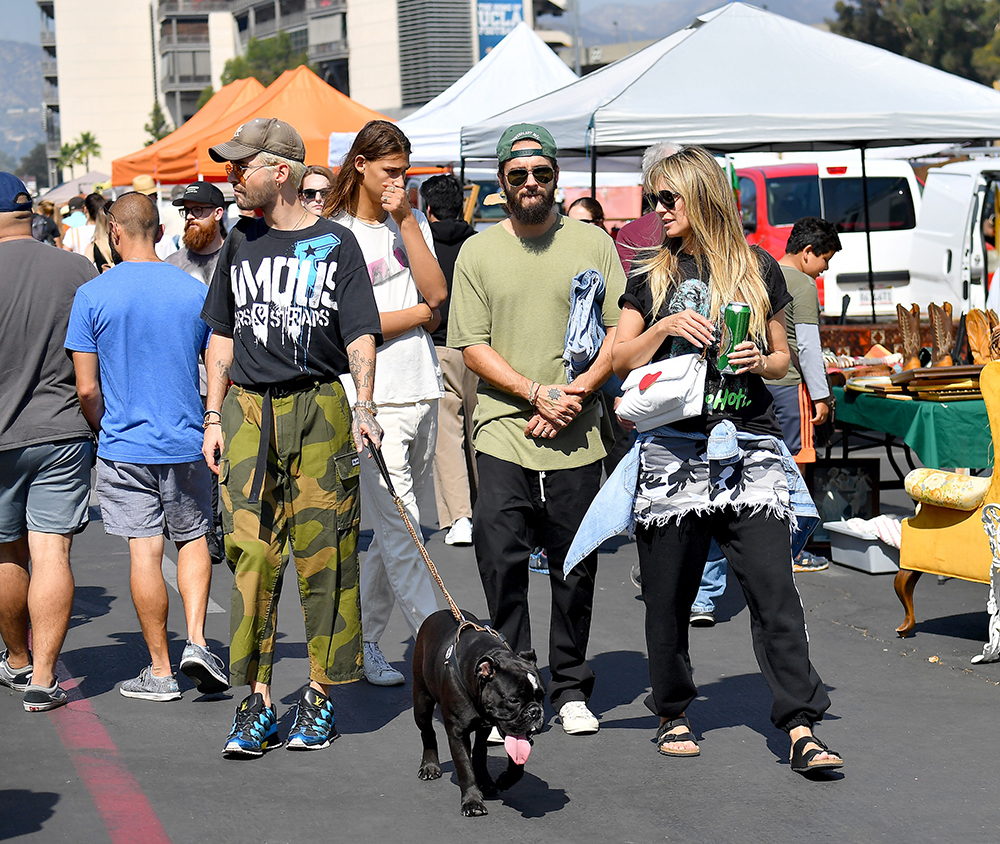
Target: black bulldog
x=479 y=683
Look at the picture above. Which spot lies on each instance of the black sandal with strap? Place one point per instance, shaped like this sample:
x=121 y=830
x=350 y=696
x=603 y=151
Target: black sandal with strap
x=664 y=736
x=802 y=760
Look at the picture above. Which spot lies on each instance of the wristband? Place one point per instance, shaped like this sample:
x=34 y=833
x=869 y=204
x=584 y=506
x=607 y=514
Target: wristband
x=206 y=423
x=533 y=392
x=370 y=406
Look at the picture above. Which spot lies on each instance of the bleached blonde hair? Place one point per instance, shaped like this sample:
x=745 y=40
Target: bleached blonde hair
x=716 y=240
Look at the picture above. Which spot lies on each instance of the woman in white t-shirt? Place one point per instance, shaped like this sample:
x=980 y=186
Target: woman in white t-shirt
x=368 y=197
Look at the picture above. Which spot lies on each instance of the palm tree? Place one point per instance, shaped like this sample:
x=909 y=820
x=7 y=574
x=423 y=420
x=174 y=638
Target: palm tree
x=69 y=154
x=87 y=146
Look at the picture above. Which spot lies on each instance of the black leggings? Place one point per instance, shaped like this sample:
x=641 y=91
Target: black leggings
x=671 y=561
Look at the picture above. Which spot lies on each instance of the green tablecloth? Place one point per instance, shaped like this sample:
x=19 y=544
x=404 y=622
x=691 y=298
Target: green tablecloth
x=943 y=434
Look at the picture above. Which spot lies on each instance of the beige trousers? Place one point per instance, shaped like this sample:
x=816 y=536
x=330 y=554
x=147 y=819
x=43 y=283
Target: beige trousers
x=454 y=460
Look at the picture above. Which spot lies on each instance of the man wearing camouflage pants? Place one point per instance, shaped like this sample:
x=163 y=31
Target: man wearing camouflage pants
x=292 y=308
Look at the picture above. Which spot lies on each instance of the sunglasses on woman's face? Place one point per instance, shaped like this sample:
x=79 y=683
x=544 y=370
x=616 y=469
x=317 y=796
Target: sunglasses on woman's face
x=519 y=175
x=312 y=194
x=667 y=198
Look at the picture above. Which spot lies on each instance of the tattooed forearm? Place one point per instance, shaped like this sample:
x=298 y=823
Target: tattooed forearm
x=218 y=362
x=361 y=360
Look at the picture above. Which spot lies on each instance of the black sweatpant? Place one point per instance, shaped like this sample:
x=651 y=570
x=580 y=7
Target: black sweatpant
x=516 y=510
x=671 y=560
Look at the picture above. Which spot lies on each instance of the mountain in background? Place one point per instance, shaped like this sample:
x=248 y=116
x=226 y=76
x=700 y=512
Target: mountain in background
x=658 y=20
x=20 y=100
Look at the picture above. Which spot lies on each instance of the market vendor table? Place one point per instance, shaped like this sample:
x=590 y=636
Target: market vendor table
x=941 y=433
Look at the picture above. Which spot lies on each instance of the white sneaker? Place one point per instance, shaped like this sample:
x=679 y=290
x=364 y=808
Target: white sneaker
x=378 y=672
x=495 y=737
x=576 y=719
x=460 y=533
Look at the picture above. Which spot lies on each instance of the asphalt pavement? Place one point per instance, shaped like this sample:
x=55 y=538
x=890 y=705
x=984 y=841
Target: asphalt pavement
x=914 y=720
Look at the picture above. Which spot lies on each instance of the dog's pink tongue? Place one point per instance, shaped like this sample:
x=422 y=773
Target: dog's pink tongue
x=518 y=748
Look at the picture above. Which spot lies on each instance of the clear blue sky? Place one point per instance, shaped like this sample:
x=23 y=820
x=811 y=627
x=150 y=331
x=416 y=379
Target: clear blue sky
x=21 y=20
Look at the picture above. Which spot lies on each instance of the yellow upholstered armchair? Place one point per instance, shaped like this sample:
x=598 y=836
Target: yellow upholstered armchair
x=946 y=536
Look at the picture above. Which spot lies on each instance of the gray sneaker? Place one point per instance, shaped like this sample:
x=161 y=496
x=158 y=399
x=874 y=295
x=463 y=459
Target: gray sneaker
x=148 y=687
x=14 y=678
x=205 y=669
x=378 y=672
x=41 y=699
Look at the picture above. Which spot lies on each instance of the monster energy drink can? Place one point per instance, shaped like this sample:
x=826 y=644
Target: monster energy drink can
x=736 y=326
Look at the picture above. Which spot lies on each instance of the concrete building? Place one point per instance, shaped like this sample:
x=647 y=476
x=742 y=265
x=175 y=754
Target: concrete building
x=107 y=61
x=99 y=75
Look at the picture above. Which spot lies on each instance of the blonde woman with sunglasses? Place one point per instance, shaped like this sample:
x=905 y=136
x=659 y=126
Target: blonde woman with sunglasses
x=742 y=497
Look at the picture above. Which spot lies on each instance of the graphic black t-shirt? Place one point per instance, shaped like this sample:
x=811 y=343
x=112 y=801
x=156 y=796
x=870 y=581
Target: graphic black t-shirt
x=292 y=301
x=741 y=398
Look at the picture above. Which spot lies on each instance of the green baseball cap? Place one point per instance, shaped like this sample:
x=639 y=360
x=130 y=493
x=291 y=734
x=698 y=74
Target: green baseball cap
x=525 y=132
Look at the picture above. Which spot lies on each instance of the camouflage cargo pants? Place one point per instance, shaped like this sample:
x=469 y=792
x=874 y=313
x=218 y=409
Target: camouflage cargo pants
x=309 y=503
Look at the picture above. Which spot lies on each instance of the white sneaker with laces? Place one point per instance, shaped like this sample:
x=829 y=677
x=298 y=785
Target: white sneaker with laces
x=577 y=720
x=378 y=672
x=460 y=533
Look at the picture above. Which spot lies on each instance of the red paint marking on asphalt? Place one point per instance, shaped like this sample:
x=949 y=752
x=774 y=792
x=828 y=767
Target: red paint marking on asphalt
x=125 y=811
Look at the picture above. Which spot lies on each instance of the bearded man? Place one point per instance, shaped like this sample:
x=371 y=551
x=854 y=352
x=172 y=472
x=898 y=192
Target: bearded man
x=539 y=441
x=202 y=207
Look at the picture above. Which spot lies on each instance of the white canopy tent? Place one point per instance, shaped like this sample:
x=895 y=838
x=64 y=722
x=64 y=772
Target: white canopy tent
x=520 y=68
x=739 y=79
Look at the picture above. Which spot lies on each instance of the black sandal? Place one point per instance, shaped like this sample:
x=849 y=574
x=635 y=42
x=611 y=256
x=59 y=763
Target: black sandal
x=802 y=760
x=662 y=738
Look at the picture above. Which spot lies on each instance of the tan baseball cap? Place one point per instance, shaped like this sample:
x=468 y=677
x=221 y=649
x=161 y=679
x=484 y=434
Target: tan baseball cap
x=262 y=134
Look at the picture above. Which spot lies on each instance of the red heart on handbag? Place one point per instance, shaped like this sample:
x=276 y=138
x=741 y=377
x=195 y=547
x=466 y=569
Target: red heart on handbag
x=649 y=380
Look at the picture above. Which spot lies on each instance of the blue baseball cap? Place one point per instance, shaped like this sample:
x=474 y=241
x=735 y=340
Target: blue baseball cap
x=11 y=188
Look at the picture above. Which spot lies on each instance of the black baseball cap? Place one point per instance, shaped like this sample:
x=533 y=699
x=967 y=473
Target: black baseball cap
x=204 y=192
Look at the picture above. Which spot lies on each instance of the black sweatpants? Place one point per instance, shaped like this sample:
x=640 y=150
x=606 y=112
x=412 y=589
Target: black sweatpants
x=671 y=560
x=516 y=510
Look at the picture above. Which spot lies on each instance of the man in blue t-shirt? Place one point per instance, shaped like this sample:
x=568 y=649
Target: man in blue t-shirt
x=136 y=333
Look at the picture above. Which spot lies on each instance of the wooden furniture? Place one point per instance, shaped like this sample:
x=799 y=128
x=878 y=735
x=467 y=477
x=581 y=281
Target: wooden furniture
x=941 y=539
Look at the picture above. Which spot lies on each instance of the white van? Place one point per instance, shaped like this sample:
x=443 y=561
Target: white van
x=950 y=259
x=774 y=196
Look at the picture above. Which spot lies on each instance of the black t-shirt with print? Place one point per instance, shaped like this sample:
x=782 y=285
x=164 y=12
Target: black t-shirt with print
x=741 y=398
x=292 y=301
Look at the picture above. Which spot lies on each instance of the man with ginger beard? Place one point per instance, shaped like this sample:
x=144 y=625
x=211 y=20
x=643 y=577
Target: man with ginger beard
x=202 y=206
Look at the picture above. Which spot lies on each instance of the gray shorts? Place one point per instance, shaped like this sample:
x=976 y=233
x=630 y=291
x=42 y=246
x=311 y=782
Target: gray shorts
x=45 y=488
x=140 y=500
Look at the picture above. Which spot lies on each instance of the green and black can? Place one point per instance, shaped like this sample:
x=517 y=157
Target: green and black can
x=735 y=328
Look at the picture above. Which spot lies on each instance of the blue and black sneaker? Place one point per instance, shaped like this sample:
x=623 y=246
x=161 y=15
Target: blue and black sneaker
x=313 y=728
x=255 y=729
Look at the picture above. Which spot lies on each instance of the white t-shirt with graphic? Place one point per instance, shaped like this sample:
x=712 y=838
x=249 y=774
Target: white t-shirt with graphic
x=406 y=367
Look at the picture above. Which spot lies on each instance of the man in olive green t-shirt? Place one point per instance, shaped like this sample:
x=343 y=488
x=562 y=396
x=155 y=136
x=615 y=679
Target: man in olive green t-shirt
x=539 y=441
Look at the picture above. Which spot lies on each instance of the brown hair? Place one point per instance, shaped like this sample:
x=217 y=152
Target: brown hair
x=377 y=139
x=317 y=170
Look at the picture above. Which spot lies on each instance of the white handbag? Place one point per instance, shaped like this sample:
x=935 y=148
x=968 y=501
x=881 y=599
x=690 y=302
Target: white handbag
x=663 y=392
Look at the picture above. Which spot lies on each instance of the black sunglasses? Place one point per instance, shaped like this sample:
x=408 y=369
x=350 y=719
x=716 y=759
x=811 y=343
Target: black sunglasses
x=518 y=176
x=310 y=194
x=666 y=198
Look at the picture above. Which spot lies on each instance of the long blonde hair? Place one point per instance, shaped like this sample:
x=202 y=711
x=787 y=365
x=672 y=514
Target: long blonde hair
x=716 y=239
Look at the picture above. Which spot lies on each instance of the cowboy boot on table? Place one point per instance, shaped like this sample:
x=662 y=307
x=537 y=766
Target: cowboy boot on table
x=978 y=330
x=909 y=331
x=942 y=334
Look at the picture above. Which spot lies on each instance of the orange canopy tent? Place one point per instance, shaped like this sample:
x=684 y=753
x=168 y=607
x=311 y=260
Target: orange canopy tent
x=298 y=97
x=172 y=159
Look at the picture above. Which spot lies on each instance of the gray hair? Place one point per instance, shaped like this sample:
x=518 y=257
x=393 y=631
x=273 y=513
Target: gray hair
x=296 y=169
x=654 y=155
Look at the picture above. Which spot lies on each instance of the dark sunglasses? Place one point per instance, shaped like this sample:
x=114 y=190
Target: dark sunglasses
x=310 y=194
x=518 y=176
x=593 y=222
x=666 y=198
